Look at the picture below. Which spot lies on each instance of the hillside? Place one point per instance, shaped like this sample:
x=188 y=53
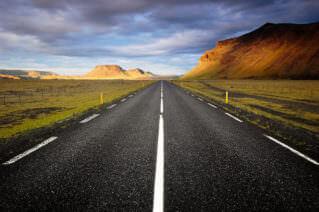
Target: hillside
x=25 y=74
x=6 y=76
x=139 y=74
x=107 y=71
x=99 y=72
x=117 y=72
x=286 y=51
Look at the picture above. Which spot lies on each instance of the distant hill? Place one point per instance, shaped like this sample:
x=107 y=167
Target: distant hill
x=99 y=72
x=25 y=74
x=139 y=74
x=117 y=72
x=6 y=76
x=273 y=51
x=107 y=71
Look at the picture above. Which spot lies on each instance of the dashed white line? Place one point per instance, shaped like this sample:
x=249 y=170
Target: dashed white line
x=214 y=106
x=200 y=99
x=111 y=106
x=89 y=118
x=22 y=155
x=158 y=198
x=292 y=150
x=123 y=100
x=130 y=95
x=162 y=104
x=234 y=117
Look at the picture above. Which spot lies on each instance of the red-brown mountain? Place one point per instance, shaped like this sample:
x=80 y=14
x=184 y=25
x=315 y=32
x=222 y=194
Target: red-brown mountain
x=272 y=51
x=117 y=72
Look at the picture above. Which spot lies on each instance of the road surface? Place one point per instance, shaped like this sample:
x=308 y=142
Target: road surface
x=186 y=155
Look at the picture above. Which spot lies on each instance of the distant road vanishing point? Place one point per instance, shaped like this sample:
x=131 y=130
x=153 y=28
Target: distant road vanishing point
x=162 y=149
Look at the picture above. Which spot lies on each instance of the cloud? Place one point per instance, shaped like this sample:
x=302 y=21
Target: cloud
x=180 y=42
x=139 y=30
x=11 y=40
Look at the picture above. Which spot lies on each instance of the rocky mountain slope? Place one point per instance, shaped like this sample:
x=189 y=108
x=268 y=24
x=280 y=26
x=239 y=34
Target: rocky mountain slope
x=117 y=72
x=273 y=51
x=25 y=74
x=99 y=72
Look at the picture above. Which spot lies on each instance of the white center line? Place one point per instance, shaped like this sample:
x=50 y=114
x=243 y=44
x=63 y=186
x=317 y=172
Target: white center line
x=158 y=199
x=89 y=118
x=214 y=106
x=111 y=106
x=162 y=106
x=123 y=100
x=292 y=150
x=234 y=117
x=18 y=157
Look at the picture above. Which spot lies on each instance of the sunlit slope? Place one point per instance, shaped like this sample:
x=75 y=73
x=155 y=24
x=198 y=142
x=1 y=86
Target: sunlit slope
x=25 y=74
x=138 y=74
x=272 y=51
x=117 y=72
x=107 y=71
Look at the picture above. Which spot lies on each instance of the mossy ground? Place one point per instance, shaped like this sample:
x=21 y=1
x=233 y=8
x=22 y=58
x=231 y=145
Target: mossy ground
x=29 y=104
x=291 y=102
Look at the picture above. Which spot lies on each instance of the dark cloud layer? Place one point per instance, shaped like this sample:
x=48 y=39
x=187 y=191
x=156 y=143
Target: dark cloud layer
x=147 y=28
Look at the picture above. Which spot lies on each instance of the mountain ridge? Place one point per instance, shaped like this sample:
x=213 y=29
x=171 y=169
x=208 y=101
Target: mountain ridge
x=98 y=72
x=117 y=72
x=273 y=51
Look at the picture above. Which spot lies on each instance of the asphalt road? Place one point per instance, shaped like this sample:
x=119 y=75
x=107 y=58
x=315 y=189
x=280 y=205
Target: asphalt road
x=211 y=162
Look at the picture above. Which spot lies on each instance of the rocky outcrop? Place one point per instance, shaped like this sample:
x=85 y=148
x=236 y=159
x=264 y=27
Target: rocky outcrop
x=107 y=71
x=117 y=72
x=6 y=76
x=284 y=51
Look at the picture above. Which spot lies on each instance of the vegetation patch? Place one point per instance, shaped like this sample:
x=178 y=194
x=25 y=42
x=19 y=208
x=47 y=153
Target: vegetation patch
x=17 y=117
x=26 y=105
x=288 y=109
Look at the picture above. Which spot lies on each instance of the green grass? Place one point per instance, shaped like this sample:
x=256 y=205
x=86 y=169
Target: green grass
x=31 y=104
x=291 y=102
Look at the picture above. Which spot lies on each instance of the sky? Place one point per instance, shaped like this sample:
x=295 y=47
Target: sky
x=166 y=37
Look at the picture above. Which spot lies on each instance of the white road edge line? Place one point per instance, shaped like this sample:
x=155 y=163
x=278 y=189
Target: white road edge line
x=123 y=100
x=292 y=150
x=22 y=155
x=89 y=118
x=234 y=117
x=158 y=199
x=200 y=99
x=214 y=106
x=131 y=95
x=110 y=107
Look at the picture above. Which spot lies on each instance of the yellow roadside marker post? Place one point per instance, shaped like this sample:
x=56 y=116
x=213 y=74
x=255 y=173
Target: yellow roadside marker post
x=226 y=97
x=101 y=98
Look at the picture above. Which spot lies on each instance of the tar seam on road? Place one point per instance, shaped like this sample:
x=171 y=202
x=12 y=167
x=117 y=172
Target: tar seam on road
x=22 y=155
x=292 y=150
x=234 y=117
x=214 y=106
x=89 y=118
x=158 y=199
x=110 y=107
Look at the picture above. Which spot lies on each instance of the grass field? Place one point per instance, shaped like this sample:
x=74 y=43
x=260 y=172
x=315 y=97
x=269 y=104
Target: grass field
x=30 y=104
x=290 y=102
